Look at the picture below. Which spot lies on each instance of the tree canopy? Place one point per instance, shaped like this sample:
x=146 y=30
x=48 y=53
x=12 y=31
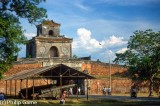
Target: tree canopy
x=11 y=33
x=142 y=56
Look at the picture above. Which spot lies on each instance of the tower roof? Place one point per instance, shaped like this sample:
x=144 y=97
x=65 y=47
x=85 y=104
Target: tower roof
x=50 y=23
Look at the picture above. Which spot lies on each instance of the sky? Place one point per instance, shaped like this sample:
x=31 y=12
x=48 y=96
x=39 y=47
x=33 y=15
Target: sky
x=99 y=28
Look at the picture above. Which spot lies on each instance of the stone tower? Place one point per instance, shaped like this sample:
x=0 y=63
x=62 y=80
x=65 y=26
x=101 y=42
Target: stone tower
x=49 y=43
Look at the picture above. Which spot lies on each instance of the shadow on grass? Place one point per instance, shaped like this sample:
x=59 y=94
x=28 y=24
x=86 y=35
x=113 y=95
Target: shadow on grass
x=109 y=102
x=91 y=102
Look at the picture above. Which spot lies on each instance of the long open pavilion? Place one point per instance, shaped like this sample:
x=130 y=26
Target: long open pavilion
x=60 y=73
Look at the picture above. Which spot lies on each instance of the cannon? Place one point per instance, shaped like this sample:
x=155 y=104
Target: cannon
x=54 y=92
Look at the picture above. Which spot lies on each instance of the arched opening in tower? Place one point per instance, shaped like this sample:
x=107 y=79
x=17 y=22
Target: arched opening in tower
x=53 y=51
x=50 y=33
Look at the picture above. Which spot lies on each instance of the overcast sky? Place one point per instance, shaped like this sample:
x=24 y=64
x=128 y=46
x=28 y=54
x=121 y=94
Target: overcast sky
x=99 y=28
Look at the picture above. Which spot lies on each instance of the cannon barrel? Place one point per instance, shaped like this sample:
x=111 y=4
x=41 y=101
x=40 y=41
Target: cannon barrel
x=56 y=88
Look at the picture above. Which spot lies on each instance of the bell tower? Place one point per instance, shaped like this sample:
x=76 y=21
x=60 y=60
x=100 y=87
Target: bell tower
x=48 y=29
x=49 y=43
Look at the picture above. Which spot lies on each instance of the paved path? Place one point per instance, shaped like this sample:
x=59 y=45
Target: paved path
x=121 y=98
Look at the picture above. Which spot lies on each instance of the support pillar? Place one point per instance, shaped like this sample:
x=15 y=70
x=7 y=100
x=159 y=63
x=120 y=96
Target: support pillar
x=6 y=87
x=10 y=87
x=47 y=81
x=87 y=88
x=60 y=85
x=61 y=80
x=26 y=88
x=15 y=87
x=33 y=89
x=20 y=84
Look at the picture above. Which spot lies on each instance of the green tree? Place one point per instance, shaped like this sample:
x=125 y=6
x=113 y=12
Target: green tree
x=11 y=33
x=75 y=56
x=142 y=56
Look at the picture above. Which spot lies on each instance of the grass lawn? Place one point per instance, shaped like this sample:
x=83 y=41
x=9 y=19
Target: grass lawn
x=80 y=102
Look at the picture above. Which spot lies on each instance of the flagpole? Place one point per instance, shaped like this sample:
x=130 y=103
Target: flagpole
x=110 y=76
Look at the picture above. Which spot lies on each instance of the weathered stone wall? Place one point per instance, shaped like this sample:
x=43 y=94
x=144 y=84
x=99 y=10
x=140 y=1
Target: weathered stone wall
x=43 y=47
x=49 y=37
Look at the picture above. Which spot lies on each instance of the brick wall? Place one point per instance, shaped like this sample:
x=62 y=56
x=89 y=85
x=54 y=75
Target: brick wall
x=22 y=67
x=119 y=81
x=13 y=85
x=102 y=72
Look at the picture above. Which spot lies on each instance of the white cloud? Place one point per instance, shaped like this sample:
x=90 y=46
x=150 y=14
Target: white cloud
x=114 y=41
x=29 y=35
x=94 y=43
x=87 y=43
x=84 y=35
x=121 y=50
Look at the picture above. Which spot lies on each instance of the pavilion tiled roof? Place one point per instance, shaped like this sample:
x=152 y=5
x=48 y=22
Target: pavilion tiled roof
x=66 y=72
